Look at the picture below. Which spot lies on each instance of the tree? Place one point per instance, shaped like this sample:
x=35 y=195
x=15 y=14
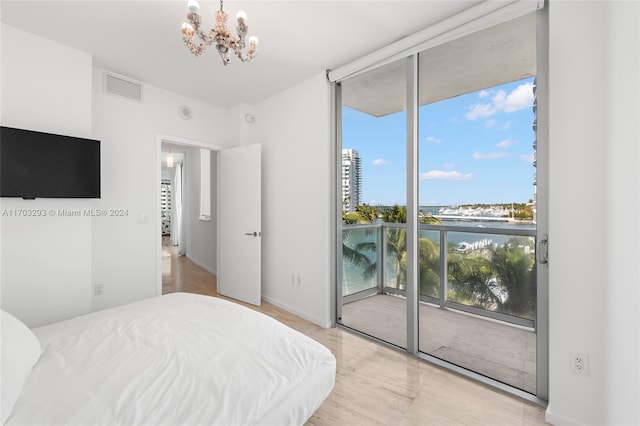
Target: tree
x=469 y=277
x=354 y=255
x=368 y=212
x=396 y=246
x=429 y=264
x=516 y=274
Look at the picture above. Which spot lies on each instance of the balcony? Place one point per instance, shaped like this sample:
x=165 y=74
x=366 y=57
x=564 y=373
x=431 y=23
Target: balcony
x=477 y=297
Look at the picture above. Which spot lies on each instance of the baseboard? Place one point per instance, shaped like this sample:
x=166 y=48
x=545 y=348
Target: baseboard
x=317 y=321
x=202 y=265
x=557 y=420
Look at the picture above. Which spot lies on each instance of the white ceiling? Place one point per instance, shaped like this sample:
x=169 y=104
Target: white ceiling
x=298 y=39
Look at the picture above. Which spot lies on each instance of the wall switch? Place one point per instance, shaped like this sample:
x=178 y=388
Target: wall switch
x=98 y=290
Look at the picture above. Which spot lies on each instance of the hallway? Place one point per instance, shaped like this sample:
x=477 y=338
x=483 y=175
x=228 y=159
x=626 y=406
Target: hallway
x=181 y=274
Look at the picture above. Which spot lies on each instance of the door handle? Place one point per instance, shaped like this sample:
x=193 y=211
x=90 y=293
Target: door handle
x=254 y=234
x=543 y=250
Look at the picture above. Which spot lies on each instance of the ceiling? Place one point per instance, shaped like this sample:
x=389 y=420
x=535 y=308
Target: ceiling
x=298 y=39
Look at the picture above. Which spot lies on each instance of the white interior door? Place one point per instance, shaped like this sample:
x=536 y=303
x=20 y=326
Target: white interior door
x=239 y=220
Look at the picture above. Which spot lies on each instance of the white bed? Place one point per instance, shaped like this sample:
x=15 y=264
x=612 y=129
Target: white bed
x=178 y=359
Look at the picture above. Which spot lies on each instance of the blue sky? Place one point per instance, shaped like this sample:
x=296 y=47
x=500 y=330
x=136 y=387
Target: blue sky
x=474 y=148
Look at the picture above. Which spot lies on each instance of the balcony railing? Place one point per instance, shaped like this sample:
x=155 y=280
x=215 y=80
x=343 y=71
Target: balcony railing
x=485 y=270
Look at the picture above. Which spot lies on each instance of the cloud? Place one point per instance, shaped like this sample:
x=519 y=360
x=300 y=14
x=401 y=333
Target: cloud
x=480 y=111
x=527 y=158
x=506 y=126
x=380 y=162
x=490 y=123
x=431 y=139
x=505 y=143
x=445 y=175
x=483 y=94
x=489 y=156
x=520 y=98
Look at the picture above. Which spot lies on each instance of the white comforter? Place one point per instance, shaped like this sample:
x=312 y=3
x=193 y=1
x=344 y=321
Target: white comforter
x=179 y=359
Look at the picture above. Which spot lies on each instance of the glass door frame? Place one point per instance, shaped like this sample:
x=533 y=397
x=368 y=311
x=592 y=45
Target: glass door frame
x=412 y=184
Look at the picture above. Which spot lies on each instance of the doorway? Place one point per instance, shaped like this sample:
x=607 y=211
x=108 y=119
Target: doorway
x=187 y=241
x=236 y=173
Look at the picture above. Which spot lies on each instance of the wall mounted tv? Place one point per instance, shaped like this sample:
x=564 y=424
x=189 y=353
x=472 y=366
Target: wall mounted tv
x=43 y=165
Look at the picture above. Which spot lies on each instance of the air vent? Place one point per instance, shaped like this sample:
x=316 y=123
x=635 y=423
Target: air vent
x=120 y=86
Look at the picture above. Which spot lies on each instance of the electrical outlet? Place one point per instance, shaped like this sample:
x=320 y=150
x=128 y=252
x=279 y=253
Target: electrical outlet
x=579 y=363
x=98 y=290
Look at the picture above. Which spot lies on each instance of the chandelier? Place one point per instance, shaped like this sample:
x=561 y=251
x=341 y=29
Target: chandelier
x=218 y=35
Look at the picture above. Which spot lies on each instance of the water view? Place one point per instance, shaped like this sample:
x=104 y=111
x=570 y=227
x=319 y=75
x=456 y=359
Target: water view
x=490 y=258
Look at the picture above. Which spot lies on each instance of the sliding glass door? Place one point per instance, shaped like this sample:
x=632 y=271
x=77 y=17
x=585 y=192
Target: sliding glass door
x=374 y=211
x=478 y=182
x=467 y=257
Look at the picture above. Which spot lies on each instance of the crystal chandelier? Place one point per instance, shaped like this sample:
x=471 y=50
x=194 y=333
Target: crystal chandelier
x=218 y=35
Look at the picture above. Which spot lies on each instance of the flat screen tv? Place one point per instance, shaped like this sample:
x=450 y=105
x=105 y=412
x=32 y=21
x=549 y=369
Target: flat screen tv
x=43 y=165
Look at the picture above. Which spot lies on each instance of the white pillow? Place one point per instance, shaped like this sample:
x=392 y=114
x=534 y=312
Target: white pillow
x=19 y=351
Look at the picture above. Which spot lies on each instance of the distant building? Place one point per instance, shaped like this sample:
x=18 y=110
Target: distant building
x=351 y=181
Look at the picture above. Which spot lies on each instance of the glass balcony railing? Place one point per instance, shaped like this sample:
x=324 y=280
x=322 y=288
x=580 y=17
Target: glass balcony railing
x=485 y=270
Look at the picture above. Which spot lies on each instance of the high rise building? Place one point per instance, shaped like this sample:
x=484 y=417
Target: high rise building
x=351 y=182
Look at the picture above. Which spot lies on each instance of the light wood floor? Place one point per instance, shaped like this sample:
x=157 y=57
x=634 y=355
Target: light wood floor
x=377 y=385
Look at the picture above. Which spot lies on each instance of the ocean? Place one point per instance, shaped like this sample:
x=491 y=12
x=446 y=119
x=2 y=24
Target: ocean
x=352 y=274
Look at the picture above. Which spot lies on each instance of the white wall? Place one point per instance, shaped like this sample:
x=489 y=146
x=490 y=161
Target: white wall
x=594 y=211
x=125 y=249
x=295 y=135
x=244 y=132
x=202 y=236
x=45 y=262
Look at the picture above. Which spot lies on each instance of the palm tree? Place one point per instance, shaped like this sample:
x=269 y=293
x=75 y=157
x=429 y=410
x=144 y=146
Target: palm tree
x=469 y=276
x=429 y=264
x=396 y=247
x=515 y=272
x=355 y=256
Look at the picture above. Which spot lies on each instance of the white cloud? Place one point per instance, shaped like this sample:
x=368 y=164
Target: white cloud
x=480 y=111
x=483 y=94
x=527 y=158
x=431 y=139
x=445 y=175
x=380 y=162
x=490 y=123
x=506 y=126
x=490 y=155
x=520 y=98
x=505 y=143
